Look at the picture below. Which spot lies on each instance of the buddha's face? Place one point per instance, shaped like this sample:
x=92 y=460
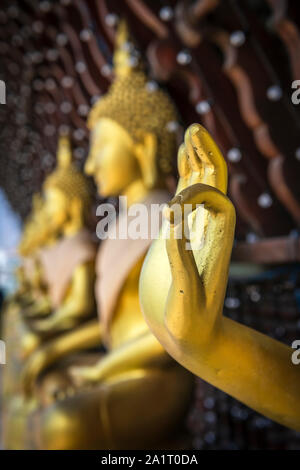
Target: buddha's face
x=46 y=223
x=55 y=208
x=111 y=160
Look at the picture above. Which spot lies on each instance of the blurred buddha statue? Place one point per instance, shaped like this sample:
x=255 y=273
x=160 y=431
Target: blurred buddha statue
x=55 y=298
x=182 y=294
x=29 y=288
x=136 y=396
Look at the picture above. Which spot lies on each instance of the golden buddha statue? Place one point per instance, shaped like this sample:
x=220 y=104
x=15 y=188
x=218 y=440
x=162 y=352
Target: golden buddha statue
x=182 y=293
x=135 y=396
x=58 y=273
x=19 y=339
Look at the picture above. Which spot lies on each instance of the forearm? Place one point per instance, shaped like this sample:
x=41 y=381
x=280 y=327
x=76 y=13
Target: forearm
x=251 y=367
x=142 y=352
x=78 y=304
x=68 y=316
x=84 y=337
x=87 y=336
x=40 y=307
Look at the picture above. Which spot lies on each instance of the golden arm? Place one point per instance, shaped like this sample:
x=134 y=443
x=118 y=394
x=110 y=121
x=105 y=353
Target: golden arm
x=37 y=307
x=141 y=352
x=250 y=366
x=78 y=304
x=84 y=337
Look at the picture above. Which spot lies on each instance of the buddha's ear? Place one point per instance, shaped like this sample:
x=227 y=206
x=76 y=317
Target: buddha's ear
x=145 y=152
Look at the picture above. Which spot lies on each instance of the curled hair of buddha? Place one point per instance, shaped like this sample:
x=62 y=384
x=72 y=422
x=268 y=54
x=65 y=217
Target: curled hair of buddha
x=67 y=178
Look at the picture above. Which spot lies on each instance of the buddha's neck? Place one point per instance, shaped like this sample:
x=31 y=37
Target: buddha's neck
x=135 y=192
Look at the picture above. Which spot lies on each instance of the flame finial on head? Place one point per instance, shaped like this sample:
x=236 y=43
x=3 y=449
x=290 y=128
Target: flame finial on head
x=64 y=152
x=124 y=58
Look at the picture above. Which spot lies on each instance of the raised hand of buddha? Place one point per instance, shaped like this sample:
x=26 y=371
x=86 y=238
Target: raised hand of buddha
x=175 y=279
x=182 y=294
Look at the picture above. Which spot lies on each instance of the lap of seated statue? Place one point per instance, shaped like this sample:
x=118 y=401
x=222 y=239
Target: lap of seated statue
x=123 y=420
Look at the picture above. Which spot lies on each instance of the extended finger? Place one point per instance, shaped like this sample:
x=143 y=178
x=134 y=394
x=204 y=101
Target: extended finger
x=213 y=163
x=184 y=168
x=193 y=158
